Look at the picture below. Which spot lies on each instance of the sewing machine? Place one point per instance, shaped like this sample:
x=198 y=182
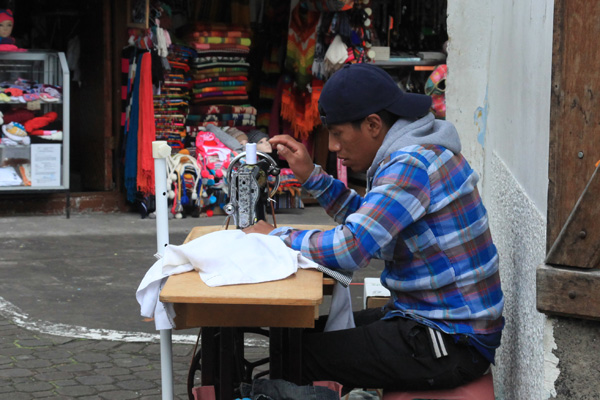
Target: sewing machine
x=248 y=186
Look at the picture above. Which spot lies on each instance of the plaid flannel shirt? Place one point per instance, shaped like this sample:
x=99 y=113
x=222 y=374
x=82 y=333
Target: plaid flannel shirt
x=423 y=215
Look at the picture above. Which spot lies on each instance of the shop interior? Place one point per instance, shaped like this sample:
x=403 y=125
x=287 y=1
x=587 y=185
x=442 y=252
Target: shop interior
x=272 y=55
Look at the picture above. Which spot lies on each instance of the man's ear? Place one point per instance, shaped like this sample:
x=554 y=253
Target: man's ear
x=374 y=125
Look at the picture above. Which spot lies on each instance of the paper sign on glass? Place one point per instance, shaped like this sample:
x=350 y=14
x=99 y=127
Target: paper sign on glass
x=45 y=164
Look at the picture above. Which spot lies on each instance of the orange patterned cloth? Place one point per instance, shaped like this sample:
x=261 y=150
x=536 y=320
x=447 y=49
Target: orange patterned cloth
x=298 y=105
x=301 y=108
x=301 y=90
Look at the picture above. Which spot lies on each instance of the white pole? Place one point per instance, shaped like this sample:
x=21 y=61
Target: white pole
x=166 y=364
x=160 y=151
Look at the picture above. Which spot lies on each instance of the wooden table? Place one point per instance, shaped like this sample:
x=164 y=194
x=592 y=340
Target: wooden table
x=288 y=303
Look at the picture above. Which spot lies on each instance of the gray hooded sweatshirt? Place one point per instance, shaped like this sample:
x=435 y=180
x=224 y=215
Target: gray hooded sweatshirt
x=404 y=133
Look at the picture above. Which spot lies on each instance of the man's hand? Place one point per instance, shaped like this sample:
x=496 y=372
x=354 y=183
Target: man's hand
x=295 y=154
x=260 y=227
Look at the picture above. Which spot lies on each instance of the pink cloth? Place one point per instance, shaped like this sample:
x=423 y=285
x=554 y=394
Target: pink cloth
x=208 y=145
x=11 y=47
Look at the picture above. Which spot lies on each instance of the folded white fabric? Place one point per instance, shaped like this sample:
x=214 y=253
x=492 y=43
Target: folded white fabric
x=226 y=257
x=231 y=257
x=148 y=291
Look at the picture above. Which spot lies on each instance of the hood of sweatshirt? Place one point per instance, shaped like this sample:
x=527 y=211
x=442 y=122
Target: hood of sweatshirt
x=426 y=130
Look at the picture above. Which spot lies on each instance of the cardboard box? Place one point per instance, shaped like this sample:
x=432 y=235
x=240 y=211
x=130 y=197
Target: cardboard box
x=375 y=295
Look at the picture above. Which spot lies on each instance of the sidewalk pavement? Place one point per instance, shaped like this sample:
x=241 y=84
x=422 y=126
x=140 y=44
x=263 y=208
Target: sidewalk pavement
x=34 y=365
x=69 y=322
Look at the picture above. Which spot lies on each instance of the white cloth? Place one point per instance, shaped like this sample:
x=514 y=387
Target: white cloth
x=337 y=53
x=224 y=257
x=161 y=43
x=340 y=310
x=231 y=257
x=148 y=291
x=335 y=57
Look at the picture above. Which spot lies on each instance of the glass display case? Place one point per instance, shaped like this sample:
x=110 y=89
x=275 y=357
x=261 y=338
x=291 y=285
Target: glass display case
x=34 y=112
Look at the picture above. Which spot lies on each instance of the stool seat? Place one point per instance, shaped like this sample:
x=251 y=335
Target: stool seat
x=480 y=389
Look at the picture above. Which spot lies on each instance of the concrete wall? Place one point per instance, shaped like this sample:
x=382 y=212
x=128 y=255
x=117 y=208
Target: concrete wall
x=498 y=95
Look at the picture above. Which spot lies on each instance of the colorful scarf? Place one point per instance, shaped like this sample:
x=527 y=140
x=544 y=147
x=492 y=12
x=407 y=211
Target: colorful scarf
x=220 y=79
x=204 y=74
x=222 y=40
x=223 y=108
x=221 y=33
x=218 y=52
x=233 y=99
x=297 y=105
x=212 y=85
x=219 y=46
x=131 y=132
x=220 y=93
x=209 y=59
x=239 y=66
x=146 y=130
x=301 y=108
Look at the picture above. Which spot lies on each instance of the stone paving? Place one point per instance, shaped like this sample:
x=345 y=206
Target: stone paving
x=40 y=366
x=56 y=281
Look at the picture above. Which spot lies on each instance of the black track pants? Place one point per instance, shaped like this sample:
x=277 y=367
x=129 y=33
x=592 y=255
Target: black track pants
x=392 y=354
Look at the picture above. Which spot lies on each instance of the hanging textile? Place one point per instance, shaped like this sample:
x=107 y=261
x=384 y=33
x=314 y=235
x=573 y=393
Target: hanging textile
x=297 y=103
x=301 y=89
x=131 y=133
x=140 y=131
x=146 y=128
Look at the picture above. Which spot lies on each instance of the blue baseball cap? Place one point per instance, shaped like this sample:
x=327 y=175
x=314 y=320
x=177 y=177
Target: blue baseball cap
x=358 y=90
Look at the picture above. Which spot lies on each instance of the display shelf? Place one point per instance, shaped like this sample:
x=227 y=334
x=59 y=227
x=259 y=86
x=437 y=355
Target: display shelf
x=49 y=160
x=421 y=59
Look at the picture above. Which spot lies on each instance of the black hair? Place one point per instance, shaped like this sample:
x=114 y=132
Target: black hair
x=386 y=116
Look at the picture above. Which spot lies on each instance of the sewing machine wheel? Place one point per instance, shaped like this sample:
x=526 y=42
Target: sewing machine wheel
x=249 y=189
x=243 y=370
x=237 y=162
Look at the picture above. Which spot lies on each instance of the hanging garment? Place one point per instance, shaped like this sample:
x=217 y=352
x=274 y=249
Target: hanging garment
x=146 y=128
x=131 y=134
x=436 y=88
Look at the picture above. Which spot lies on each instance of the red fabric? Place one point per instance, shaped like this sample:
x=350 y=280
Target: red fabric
x=146 y=129
x=40 y=122
x=14 y=92
x=20 y=115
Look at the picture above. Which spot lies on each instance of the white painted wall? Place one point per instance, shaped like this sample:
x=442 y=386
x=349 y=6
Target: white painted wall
x=520 y=73
x=498 y=96
x=502 y=51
